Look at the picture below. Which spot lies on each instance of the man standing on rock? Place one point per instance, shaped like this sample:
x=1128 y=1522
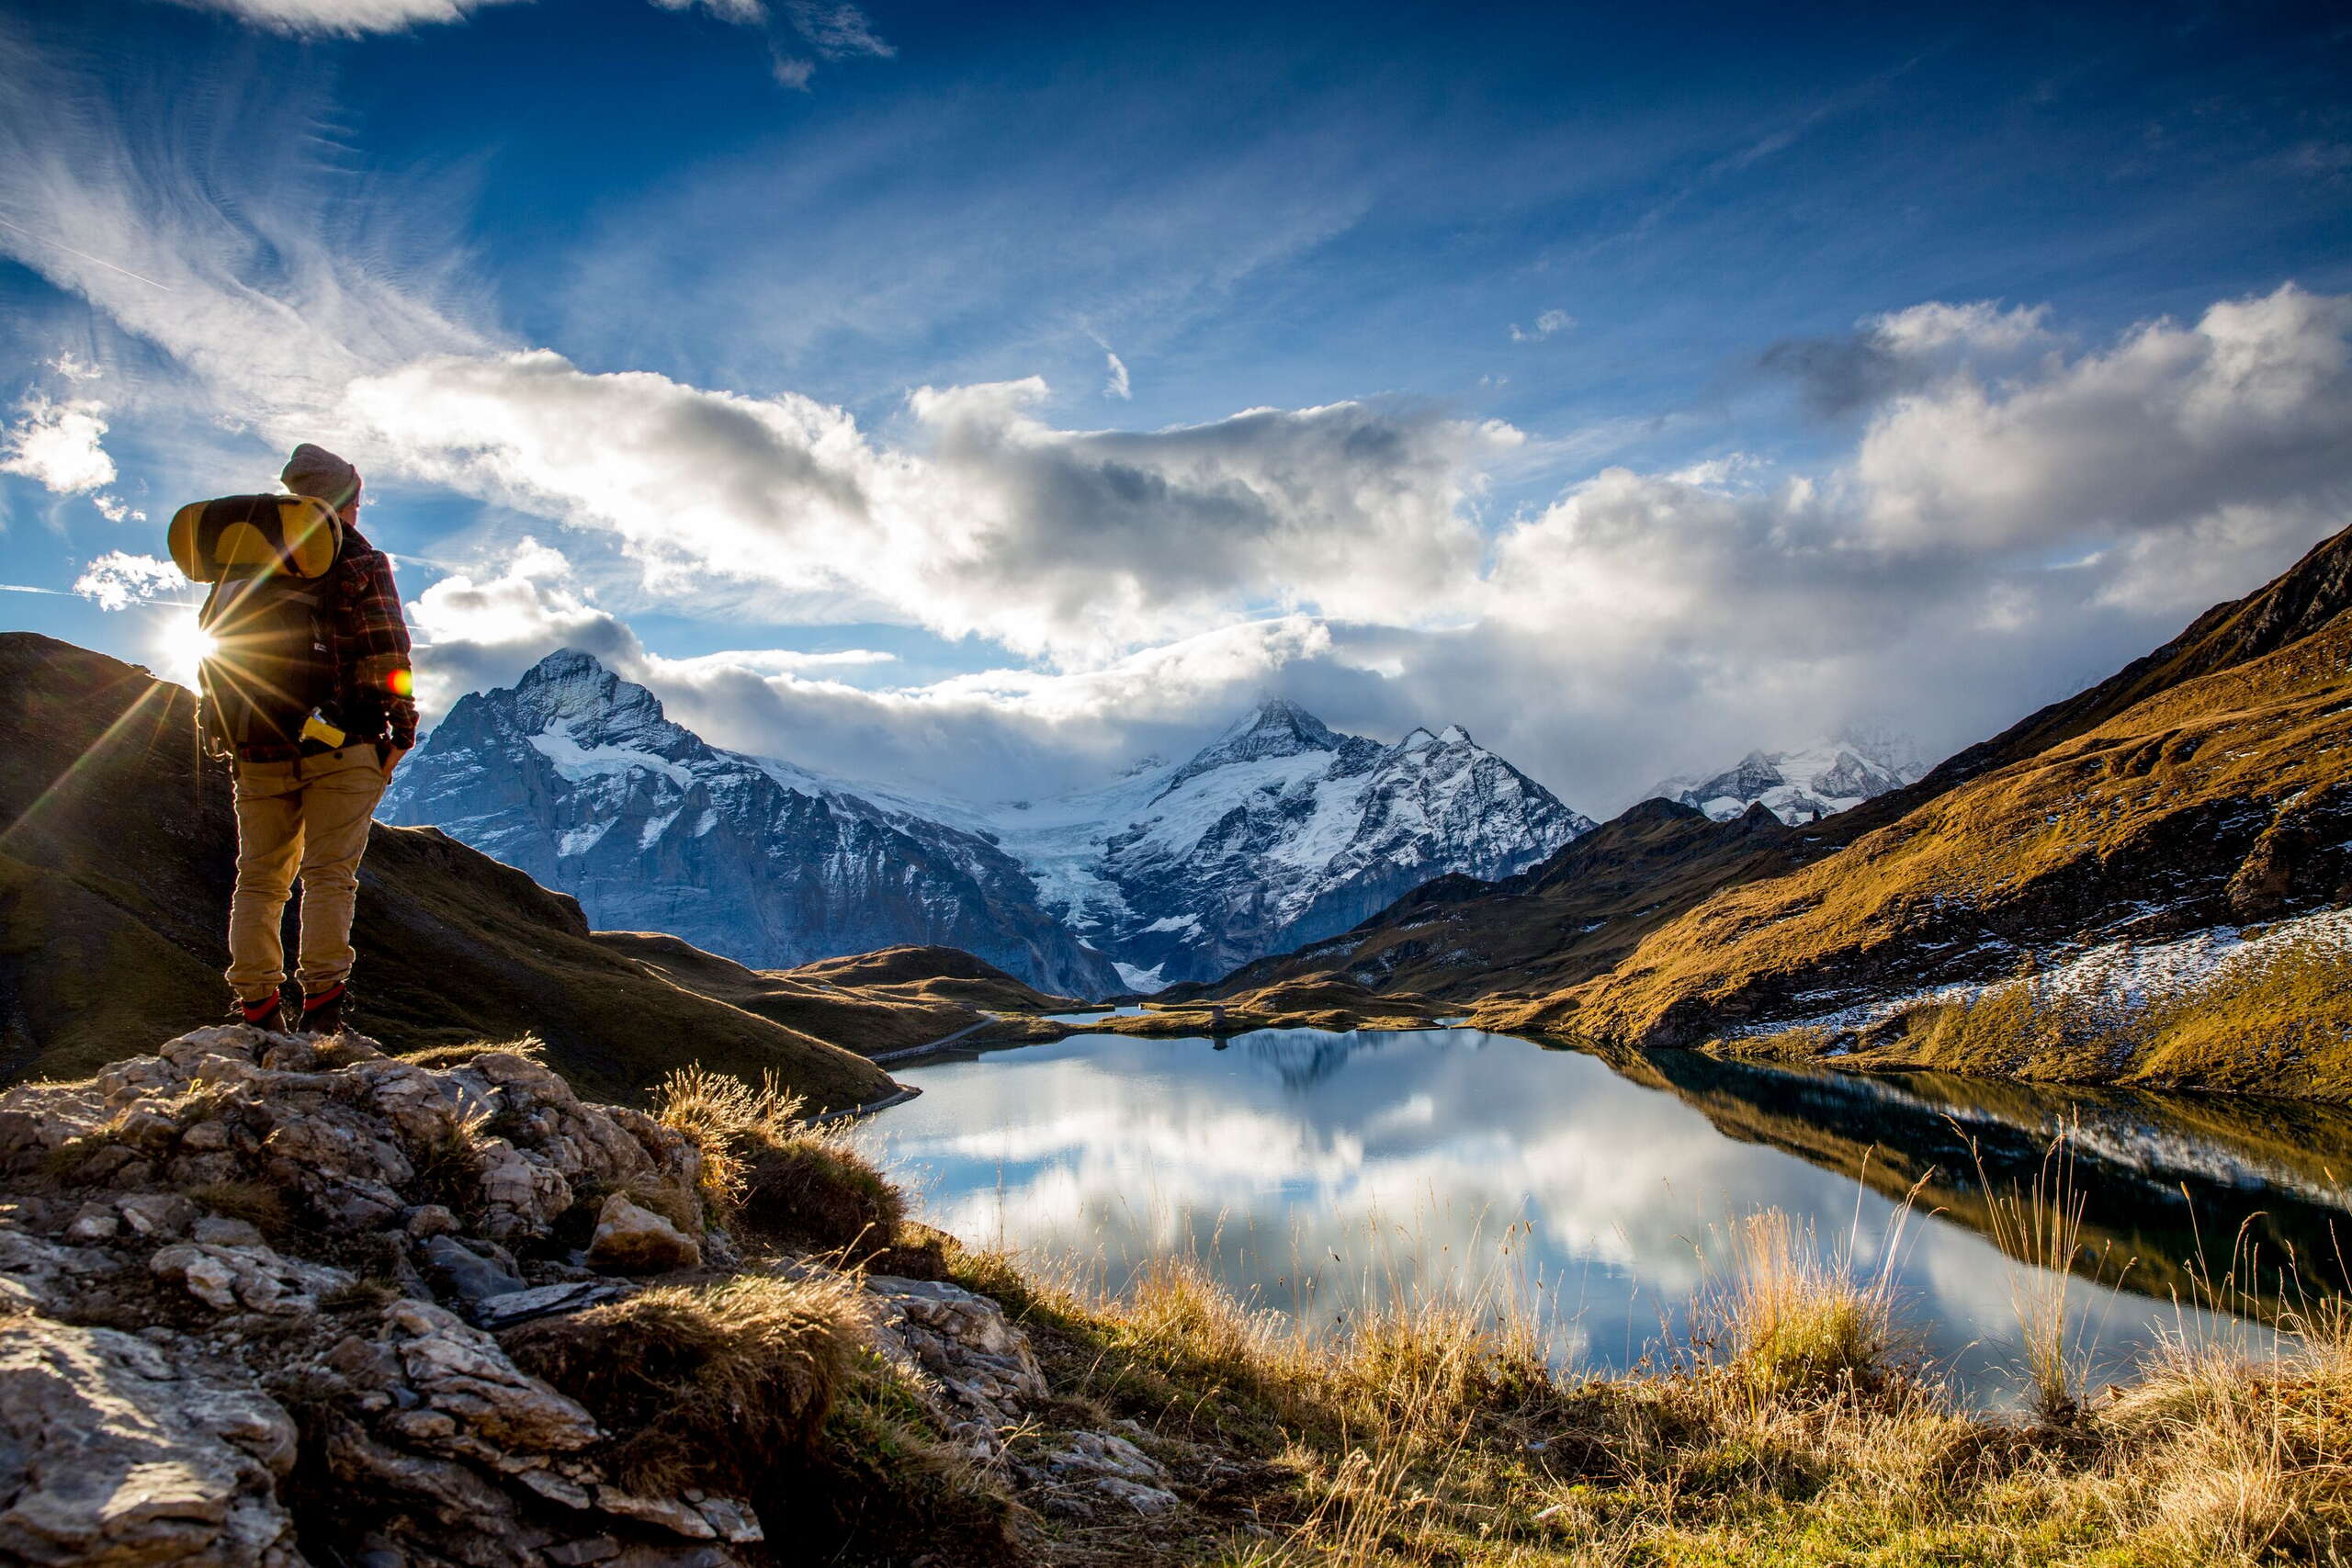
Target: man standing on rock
x=304 y=803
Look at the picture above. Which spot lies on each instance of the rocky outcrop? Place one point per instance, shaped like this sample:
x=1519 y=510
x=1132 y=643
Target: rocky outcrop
x=267 y=1301
x=114 y=1452
x=339 y=1342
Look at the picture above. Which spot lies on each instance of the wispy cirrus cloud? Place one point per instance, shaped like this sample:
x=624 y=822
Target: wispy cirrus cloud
x=1122 y=581
x=839 y=24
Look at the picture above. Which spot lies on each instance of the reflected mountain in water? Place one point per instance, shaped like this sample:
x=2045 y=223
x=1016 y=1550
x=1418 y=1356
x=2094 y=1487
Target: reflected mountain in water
x=2168 y=1181
x=1319 y=1173
x=1304 y=1058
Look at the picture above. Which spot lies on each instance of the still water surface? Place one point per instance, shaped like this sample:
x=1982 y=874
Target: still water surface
x=1315 y=1172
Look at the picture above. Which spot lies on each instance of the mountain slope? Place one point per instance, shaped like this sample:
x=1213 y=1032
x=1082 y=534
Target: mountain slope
x=1575 y=916
x=1279 y=831
x=577 y=777
x=1738 y=914
x=115 y=860
x=2207 y=785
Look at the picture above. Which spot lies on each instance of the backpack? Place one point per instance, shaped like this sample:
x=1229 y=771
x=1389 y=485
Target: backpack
x=271 y=665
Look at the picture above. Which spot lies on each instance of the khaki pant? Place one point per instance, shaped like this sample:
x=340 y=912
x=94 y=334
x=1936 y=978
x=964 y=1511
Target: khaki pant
x=309 y=817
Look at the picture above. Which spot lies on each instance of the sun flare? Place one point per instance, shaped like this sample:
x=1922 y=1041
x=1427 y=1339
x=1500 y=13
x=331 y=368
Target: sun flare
x=180 y=647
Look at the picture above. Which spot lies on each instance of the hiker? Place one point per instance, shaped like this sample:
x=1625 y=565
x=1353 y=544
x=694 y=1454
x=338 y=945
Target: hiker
x=309 y=690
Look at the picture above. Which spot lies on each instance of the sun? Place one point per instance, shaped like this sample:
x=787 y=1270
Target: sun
x=180 y=645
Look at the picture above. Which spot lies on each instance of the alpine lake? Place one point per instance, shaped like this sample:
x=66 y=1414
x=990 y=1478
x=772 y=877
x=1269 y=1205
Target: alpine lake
x=1315 y=1173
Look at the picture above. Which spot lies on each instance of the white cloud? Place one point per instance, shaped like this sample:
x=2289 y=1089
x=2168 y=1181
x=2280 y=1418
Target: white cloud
x=347 y=18
x=357 y=18
x=1548 y=324
x=1983 y=325
x=58 y=445
x=1074 y=545
x=1118 y=386
x=1639 y=623
x=117 y=580
x=2248 y=407
x=836 y=31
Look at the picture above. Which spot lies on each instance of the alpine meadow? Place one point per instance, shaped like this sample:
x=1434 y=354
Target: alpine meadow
x=871 y=783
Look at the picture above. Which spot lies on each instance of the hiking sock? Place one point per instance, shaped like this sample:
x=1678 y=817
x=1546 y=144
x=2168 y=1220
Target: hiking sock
x=260 y=1012
x=323 y=1013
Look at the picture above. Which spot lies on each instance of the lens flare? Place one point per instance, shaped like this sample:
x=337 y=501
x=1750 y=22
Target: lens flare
x=180 y=647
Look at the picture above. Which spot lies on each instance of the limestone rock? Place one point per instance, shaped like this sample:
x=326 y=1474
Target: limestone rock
x=977 y=1368
x=112 y=1454
x=461 y=1373
x=635 y=1240
x=246 y=1279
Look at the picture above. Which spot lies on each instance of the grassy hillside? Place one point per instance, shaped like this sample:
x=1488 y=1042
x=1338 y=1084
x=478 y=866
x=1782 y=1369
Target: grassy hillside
x=870 y=1003
x=116 y=860
x=1663 y=881
x=2227 y=797
x=1576 y=916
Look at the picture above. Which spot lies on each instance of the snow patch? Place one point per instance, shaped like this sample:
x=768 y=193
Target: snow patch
x=1144 y=980
x=2118 y=978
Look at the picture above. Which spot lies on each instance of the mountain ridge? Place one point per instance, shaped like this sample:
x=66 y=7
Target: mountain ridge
x=578 y=778
x=115 y=860
x=1279 y=829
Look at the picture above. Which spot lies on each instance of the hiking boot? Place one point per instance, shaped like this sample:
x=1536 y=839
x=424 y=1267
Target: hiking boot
x=262 y=1012
x=322 y=1014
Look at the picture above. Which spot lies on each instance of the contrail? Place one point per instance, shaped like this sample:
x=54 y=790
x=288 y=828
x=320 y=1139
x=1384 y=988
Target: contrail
x=86 y=255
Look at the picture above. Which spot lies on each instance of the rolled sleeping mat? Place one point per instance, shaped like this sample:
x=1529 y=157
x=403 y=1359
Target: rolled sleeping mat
x=253 y=535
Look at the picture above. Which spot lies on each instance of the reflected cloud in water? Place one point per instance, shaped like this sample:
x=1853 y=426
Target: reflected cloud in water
x=1316 y=1172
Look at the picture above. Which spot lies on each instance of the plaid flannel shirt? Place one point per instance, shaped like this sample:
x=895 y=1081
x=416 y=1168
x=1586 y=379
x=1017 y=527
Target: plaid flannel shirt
x=369 y=638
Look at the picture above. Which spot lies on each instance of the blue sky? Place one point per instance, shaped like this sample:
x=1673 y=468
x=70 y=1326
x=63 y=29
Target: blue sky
x=1635 y=384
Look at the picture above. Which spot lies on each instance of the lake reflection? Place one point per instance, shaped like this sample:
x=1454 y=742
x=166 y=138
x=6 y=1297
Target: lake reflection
x=1314 y=1171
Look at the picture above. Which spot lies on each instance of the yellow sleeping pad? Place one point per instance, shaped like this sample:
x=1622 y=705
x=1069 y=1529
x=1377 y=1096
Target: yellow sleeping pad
x=255 y=535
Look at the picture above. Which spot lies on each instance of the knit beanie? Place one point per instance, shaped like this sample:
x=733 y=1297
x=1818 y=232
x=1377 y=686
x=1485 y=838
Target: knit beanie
x=315 y=471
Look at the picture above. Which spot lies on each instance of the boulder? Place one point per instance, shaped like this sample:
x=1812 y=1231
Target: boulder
x=631 y=1239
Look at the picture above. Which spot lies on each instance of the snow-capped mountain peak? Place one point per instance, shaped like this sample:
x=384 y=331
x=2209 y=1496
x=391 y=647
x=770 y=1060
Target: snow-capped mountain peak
x=578 y=777
x=1861 y=762
x=1278 y=727
x=1279 y=832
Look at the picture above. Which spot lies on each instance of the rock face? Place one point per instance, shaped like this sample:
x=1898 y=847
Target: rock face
x=1808 y=782
x=116 y=1454
x=1280 y=833
x=179 y=1443
x=267 y=1303
x=577 y=777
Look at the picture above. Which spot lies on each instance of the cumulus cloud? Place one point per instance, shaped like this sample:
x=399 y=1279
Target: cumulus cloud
x=1000 y=732
x=1076 y=544
x=1548 y=324
x=2248 y=408
x=58 y=445
x=117 y=580
x=1901 y=351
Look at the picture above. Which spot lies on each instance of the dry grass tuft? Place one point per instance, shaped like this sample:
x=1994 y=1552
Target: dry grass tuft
x=2043 y=1227
x=767 y=1172
x=709 y=1387
x=1799 y=1324
x=530 y=1047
